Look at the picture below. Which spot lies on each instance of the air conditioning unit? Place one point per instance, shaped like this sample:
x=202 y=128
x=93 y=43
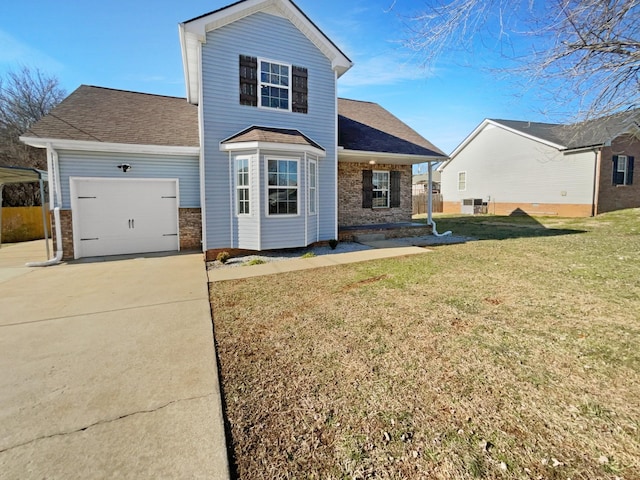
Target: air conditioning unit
x=473 y=206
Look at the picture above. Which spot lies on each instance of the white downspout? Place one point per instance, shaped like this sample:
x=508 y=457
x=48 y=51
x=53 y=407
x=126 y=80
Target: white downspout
x=54 y=198
x=430 y=206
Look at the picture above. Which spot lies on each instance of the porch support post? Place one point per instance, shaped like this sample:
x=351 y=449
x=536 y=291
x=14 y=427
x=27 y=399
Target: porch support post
x=429 y=195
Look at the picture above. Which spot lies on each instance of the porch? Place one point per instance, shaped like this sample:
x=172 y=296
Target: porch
x=382 y=231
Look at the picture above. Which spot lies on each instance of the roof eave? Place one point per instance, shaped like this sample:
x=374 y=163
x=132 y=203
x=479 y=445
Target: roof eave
x=89 y=146
x=281 y=147
x=364 y=156
x=193 y=33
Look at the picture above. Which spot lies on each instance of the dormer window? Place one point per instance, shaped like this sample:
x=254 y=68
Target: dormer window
x=278 y=86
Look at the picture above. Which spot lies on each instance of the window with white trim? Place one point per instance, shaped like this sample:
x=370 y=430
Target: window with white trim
x=282 y=186
x=275 y=85
x=313 y=186
x=380 y=189
x=622 y=170
x=242 y=186
x=462 y=181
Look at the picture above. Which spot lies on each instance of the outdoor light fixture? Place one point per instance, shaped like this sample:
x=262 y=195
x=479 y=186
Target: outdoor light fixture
x=124 y=167
x=372 y=162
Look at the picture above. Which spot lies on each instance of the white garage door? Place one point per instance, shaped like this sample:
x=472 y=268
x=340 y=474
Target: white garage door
x=115 y=217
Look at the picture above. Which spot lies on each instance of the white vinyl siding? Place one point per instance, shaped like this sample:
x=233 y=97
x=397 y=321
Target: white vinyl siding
x=223 y=117
x=509 y=168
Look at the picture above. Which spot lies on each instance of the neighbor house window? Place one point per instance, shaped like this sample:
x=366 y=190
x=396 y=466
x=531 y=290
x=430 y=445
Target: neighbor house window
x=462 y=181
x=313 y=182
x=282 y=186
x=242 y=186
x=275 y=85
x=380 y=190
x=622 y=170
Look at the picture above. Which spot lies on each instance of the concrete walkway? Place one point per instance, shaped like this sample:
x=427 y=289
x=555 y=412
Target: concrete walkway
x=383 y=249
x=107 y=369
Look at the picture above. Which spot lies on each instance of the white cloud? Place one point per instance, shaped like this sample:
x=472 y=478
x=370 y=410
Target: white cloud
x=382 y=70
x=14 y=53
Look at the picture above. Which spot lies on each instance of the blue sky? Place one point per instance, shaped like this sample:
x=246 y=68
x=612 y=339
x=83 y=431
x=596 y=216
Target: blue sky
x=133 y=45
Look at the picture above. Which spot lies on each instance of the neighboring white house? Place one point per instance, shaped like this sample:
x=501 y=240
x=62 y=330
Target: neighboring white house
x=506 y=167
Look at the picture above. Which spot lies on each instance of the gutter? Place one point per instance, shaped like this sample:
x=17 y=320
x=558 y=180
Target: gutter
x=430 y=220
x=54 y=195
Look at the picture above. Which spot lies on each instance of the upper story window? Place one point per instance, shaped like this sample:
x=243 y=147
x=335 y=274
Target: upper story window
x=622 y=170
x=462 y=181
x=282 y=186
x=270 y=84
x=275 y=87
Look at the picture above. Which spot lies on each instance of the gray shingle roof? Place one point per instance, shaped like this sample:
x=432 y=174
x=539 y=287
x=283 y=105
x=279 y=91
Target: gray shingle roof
x=272 y=135
x=116 y=116
x=366 y=126
x=578 y=135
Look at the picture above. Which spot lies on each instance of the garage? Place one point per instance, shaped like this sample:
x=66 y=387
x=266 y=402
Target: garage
x=113 y=216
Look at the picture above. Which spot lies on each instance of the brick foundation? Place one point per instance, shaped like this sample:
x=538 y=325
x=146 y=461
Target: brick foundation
x=348 y=235
x=350 y=211
x=537 y=209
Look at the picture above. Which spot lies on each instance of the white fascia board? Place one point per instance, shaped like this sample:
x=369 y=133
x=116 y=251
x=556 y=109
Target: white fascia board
x=88 y=146
x=486 y=122
x=281 y=147
x=363 y=156
x=197 y=29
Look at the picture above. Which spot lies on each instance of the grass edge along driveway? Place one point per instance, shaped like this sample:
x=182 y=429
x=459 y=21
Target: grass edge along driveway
x=515 y=356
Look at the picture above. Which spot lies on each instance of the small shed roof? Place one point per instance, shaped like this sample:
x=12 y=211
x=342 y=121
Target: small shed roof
x=11 y=175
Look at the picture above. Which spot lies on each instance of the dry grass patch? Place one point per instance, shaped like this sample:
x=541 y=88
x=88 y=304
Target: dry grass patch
x=513 y=358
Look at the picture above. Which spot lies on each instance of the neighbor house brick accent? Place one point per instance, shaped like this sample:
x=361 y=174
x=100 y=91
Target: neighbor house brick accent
x=190 y=224
x=350 y=211
x=616 y=197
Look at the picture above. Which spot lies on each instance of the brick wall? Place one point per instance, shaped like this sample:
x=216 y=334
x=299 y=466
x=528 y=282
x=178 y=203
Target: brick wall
x=190 y=220
x=66 y=226
x=350 y=211
x=616 y=197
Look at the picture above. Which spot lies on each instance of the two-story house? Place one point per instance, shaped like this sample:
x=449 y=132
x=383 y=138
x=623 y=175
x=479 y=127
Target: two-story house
x=261 y=154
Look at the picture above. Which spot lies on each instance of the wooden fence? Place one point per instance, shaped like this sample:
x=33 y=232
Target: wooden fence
x=420 y=203
x=21 y=224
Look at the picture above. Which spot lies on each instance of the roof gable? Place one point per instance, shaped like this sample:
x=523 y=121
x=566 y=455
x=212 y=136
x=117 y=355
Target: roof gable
x=193 y=34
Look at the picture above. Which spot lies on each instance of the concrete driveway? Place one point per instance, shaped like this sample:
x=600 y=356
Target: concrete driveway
x=107 y=369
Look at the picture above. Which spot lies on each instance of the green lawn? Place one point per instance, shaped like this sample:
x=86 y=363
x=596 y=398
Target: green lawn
x=514 y=356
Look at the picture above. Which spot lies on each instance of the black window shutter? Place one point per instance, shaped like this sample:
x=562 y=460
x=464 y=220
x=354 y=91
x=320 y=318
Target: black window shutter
x=367 y=189
x=394 y=180
x=248 y=81
x=299 y=89
x=629 y=170
x=615 y=170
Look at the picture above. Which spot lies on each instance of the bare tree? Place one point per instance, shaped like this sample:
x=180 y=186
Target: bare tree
x=26 y=96
x=582 y=52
